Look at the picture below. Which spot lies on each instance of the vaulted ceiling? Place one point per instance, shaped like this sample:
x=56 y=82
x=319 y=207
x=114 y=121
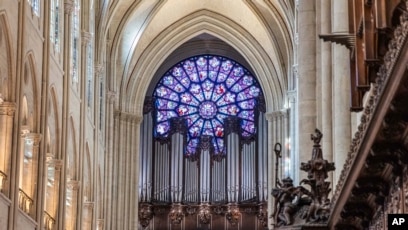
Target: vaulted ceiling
x=145 y=37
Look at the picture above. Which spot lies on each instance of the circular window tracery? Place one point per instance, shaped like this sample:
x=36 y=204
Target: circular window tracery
x=205 y=90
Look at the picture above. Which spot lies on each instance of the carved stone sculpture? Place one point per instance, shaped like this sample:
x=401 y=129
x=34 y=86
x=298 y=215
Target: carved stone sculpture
x=317 y=169
x=312 y=206
x=283 y=202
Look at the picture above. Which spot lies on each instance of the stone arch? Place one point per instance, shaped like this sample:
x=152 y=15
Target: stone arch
x=71 y=162
x=53 y=123
x=24 y=112
x=87 y=175
x=270 y=76
x=29 y=91
x=6 y=60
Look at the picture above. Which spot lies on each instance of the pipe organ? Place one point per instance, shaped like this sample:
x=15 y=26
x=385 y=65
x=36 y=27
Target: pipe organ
x=203 y=156
x=171 y=181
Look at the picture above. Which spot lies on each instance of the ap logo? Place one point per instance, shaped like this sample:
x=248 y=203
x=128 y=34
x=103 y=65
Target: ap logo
x=397 y=221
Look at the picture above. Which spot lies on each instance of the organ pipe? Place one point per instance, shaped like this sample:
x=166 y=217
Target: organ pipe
x=167 y=176
x=176 y=167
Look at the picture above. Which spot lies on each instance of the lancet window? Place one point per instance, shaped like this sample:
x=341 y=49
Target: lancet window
x=35 y=6
x=55 y=24
x=75 y=42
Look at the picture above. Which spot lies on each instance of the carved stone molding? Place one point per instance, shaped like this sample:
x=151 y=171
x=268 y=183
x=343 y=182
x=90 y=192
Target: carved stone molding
x=86 y=37
x=73 y=185
x=68 y=6
x=98 y=69
x=125 y=116
x=55 y=163
x=345 y=39
x=111 y=95
x=7 y=108
x=35 y=138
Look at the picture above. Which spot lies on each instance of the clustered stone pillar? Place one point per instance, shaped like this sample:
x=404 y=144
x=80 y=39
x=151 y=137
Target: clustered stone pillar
x=7 y=110
x=126 y=170
x=341 y=92
x=326 y=119
x=271 y=172
x=72 y=199
x=307 y=78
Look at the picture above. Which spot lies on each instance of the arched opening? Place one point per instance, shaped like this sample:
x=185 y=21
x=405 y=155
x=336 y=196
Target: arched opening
x=204 y=145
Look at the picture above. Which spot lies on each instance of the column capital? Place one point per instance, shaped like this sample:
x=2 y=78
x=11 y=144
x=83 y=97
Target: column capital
x=7 y=108
x=73 y=185
x=88 y=204
x=292 y=94
x=68 y=6
x=98 y=69
x=295 y=70
x=125 y=116
x=86 y=37
x=111 y=96
x=99 y=224
x=271 y=116
x=54 y=163
x=25 y=129
x=35 y=137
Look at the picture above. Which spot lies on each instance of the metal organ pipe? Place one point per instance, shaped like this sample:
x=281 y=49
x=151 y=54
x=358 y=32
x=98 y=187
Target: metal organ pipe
x=262 y=157
x=176 y=166
x=145 y=159
x=233 y=167
x=205 y=176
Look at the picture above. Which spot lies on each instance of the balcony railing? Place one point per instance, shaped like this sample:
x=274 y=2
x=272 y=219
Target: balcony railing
x=25 y=203
x=49 y=221
x=3 y=179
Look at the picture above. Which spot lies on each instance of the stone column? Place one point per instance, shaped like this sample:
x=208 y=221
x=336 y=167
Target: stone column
x=271 y=172
x=341 y=116
x=70 y=216
x=7 y=110
x=306 y=79
x=68 y=8
x=50 y=215
x=35 y=139
x=293 y=167
x=109 y=158
x=87 y=212
x=134 y=173
x=326 y=85
x=126 y=170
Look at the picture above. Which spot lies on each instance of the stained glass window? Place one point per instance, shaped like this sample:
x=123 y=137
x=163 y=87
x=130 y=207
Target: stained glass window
x=75 y=42
x=204 y=90
x=35 y=6
x=55 y=24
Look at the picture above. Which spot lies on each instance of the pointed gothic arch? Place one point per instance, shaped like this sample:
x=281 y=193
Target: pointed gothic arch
x=6 y=60
x=270 y=76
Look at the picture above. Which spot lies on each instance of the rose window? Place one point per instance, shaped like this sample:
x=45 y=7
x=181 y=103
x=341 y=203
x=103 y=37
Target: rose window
x=205 y=90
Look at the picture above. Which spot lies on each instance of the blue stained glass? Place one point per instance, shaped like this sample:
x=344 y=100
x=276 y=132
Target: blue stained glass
x=205 y=90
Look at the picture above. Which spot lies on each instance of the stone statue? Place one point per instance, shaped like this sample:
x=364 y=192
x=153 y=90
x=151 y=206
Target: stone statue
x=311 y=205
x=287 y=198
